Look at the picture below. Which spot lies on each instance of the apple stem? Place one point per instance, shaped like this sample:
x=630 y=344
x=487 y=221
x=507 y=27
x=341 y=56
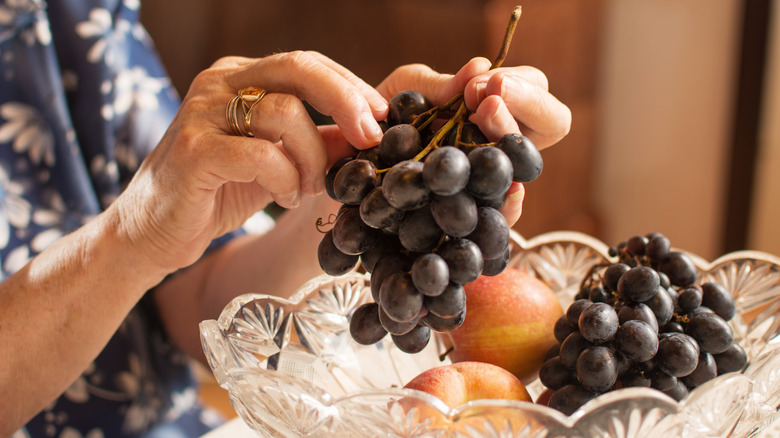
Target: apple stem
x=445 y=354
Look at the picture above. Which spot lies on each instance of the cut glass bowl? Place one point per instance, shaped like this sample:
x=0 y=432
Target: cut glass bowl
x=292 y=369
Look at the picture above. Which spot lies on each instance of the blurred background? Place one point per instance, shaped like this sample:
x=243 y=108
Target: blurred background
x=676 y=104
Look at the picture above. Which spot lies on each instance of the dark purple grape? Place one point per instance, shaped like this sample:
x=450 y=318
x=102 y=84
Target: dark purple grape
x=386 y=266
x=491 y=233
x=464 y=260
x=404 y=186
x=364 y=324
x=636 y=245
x=689 y=299
x=554 y=351
x=575 y=309
x=394 y=327
x=571 y=348
x=712 y=332
x=562 y=329
x=717 y=297
x=400 y=142
x=439 y=324
x=332 y=261
x=372 y=155
x=638 y=284
x=351 y=235
x=634 y=378
x=680 y=269
x=419 y=231
x=705 y=371
x=385 y=244
x=330 y=176
x=414 y=341
x=491 y=267
x=495 y=202
x=570 y=398
x=612 y=275
x=525 y=158
x=430 y=274
x=554 y=374
x=376 y=212
x=405 y=105
x=491 y=172
x=598 y=294
x=665 y=283
x=660 y=380
x=672 y=327
x=456 y=214
x=446 y=170
x=662 y=306
x=733 y=359
x=470 y=136
x=598 y=323
x=582 y=294
x=449 y=303
x=678 y=354
x=657 y=248
x=597 y=368
x=399 y=298
x=637 y=340
x=354 y=181
x=640 y=312
x=678 y=392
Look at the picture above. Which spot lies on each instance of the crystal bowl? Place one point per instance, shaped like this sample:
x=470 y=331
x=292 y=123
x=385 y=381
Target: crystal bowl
x=292 y=369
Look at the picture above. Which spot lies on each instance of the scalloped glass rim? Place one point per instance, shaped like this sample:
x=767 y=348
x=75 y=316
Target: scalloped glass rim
x=740 y=404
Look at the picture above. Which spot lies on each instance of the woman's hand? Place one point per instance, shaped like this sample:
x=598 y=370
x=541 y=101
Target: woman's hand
x=203 y=181
x=503 y=100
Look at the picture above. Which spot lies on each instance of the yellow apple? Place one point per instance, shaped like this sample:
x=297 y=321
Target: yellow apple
x=462 y=382
x=509 y=323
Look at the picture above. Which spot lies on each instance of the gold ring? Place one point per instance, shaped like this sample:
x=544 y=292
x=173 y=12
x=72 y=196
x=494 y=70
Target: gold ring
x=248 y=97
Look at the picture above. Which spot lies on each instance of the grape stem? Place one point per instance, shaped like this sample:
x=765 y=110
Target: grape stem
x=510 y=30
x=462 y=113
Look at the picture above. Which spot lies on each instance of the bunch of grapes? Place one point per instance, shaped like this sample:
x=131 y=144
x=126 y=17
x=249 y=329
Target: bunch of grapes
x=641 y=321
x=420 y=212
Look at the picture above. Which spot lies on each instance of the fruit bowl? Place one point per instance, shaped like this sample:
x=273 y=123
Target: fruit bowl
x=292 y=369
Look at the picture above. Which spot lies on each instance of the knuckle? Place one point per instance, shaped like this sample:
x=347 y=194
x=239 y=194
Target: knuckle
x=536 y=77
x=287 y=109
x=296 y=59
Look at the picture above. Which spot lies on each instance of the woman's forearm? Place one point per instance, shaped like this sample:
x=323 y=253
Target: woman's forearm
x=59 y=311
x=276 y=263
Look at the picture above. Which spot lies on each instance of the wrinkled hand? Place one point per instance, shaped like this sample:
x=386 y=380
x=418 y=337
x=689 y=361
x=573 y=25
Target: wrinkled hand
x=202 y=181
x=504 y=100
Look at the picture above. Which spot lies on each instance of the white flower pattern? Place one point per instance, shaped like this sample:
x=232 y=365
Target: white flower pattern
x=57 y=172
x=39 y=32
x=27 y=131
x=133 y=88
x=100 y=26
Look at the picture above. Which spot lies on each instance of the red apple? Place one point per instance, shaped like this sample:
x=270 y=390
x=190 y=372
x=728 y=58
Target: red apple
x=461 y=382
x=509 y=322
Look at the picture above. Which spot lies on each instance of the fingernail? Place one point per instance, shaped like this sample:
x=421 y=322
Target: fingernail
x=319 y=185
x=371 y=129
x=292 y=199
x=515 y=193
x=480 y=91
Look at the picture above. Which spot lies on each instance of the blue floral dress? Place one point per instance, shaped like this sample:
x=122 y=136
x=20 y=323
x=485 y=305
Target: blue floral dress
x=83 y=98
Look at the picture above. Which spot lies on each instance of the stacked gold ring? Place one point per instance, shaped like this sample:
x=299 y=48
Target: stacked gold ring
x=247 y=98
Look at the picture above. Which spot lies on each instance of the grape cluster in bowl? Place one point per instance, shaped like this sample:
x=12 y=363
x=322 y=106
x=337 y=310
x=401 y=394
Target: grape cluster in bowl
x=421 y=214
x=641 y=321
